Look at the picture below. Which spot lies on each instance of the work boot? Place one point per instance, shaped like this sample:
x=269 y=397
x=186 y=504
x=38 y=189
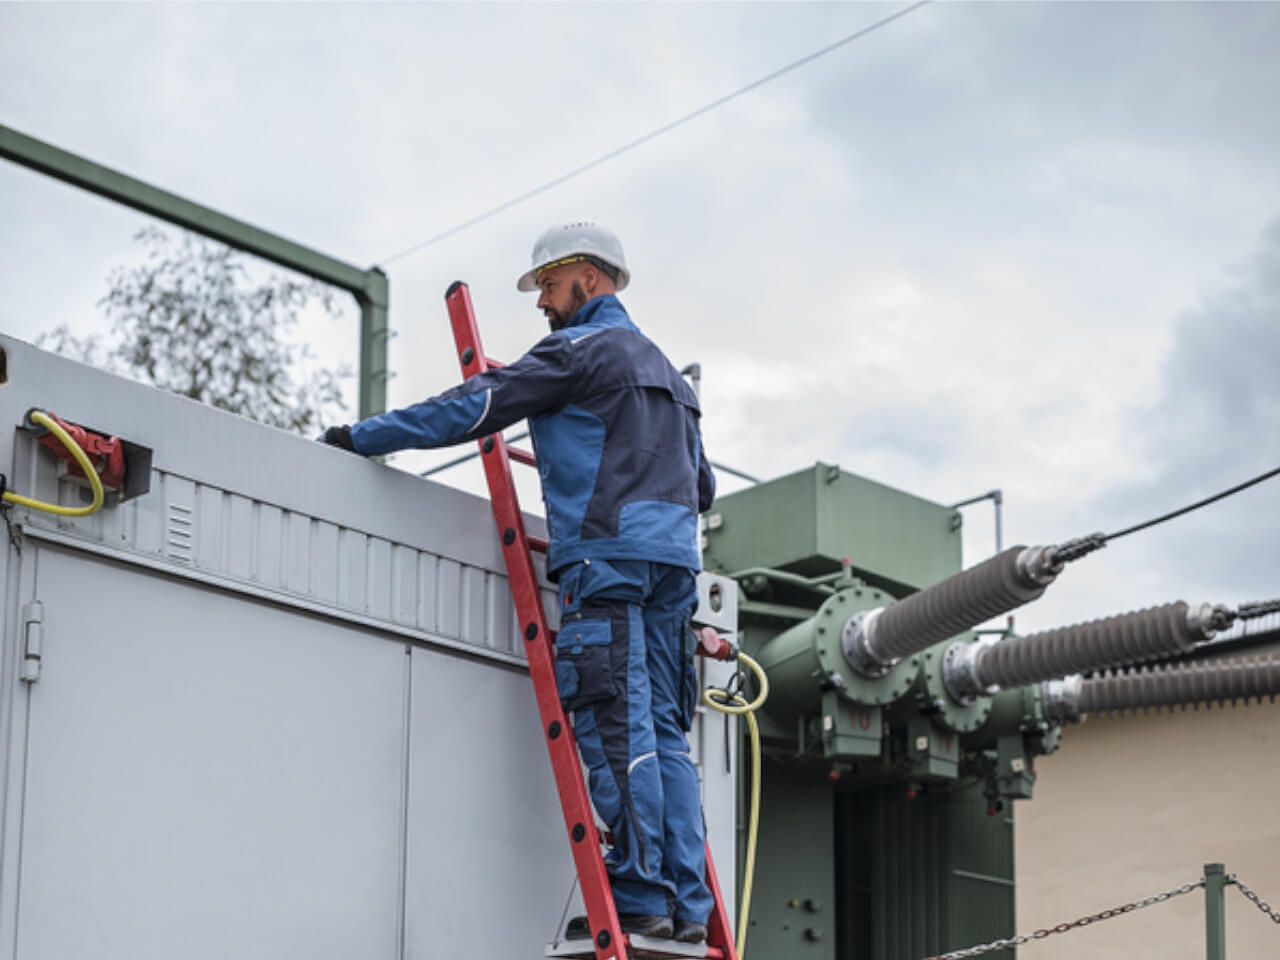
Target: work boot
x=644 y=925
x=690 y=931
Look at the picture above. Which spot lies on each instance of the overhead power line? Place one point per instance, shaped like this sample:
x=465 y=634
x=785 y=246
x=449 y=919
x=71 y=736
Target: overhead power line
x=1194 y=506
x=1083 y=546
x=631 y=145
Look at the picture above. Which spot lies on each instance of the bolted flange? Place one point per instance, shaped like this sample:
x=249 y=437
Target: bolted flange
x=960 y=716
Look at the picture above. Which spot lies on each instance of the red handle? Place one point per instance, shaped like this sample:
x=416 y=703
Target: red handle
x=714 y=646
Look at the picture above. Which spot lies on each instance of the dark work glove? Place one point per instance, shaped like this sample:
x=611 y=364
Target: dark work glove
x=338 y=437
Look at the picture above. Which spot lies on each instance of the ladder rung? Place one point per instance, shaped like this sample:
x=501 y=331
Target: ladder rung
x=494 y=364
x=538 y=544
x=522 y=456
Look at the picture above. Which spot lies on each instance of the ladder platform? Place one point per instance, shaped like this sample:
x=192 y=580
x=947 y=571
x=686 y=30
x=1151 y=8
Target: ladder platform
x=639 y=948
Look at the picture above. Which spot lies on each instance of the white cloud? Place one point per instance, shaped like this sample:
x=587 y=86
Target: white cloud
x=951 y=256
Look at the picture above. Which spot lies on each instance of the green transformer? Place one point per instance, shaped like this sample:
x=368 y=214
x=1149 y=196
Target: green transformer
x=886 y=828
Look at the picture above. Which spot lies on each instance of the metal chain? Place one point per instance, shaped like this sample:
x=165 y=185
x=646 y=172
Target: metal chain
x=1258 y=902
x=1074 y=924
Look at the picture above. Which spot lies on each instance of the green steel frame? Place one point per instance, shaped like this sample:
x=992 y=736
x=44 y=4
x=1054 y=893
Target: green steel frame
x=1215 y=920
x=369 y=287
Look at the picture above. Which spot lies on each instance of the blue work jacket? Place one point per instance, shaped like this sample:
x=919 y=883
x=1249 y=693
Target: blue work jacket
x=615 y=430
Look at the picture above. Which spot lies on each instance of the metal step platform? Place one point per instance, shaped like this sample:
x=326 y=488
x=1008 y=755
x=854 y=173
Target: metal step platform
x=639 y=948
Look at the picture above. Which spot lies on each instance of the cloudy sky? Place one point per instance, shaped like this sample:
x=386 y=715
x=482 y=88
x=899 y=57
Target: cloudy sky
x=1033 y=247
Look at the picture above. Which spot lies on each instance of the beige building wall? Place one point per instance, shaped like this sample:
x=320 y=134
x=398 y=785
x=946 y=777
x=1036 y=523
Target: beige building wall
x=1133 y=805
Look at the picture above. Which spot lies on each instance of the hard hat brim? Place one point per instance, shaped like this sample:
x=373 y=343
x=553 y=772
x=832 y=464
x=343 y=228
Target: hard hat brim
x=528 y=282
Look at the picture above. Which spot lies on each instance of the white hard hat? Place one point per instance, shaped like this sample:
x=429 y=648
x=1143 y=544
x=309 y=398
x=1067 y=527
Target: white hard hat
x=570 y=242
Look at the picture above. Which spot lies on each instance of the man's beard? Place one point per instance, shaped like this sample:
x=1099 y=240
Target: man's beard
x=558 y=320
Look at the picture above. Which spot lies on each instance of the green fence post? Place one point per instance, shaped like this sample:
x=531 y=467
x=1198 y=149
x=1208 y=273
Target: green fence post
x=1215 y=925
x=373 y=344
x=369 y=287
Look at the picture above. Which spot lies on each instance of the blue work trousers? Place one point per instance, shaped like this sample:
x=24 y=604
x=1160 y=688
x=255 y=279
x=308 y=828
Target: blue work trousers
x=624 y=667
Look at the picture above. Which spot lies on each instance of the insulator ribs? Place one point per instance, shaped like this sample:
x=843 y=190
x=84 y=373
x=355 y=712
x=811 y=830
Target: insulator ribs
x=1110 y=642
x=1184 y=684
x=954 y=605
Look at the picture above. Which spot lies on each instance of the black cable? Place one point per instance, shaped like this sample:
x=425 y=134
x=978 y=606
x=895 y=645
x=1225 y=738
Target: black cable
x=1083 y=546
x=1261 y=608
x=795 y=64
x=6 y=509
x=1195 y=506
x=1223 y=618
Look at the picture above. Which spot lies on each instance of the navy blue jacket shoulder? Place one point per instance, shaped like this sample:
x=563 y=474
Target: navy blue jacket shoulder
x=615 y=430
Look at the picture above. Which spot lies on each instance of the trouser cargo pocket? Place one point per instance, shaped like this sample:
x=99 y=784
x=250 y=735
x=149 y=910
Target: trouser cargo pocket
x=584 y=662
x=689 y=680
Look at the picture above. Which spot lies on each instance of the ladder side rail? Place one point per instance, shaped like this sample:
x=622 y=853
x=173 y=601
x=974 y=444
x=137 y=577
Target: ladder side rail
x=719 y=931
x=597 y=895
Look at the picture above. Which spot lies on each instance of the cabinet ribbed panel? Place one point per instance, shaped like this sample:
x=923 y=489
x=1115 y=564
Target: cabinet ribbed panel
x=919 y=876
x=227 y=536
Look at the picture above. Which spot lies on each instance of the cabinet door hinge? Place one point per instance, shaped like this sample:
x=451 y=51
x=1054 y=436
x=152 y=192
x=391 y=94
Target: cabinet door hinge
x=33 y=641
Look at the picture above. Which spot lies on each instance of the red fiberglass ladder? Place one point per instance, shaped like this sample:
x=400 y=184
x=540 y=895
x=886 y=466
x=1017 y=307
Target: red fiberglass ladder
x=602 y=916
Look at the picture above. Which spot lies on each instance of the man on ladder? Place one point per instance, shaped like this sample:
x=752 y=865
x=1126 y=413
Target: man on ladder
x=624 y=477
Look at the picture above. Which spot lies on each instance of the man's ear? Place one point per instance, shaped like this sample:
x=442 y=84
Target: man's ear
x=590 y=278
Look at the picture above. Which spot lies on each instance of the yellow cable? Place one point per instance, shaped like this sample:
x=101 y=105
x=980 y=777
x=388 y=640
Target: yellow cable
x=740 y=706
x=74 y=448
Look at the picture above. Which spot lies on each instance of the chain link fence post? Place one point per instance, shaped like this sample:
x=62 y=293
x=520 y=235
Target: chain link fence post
x=1215 y=922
